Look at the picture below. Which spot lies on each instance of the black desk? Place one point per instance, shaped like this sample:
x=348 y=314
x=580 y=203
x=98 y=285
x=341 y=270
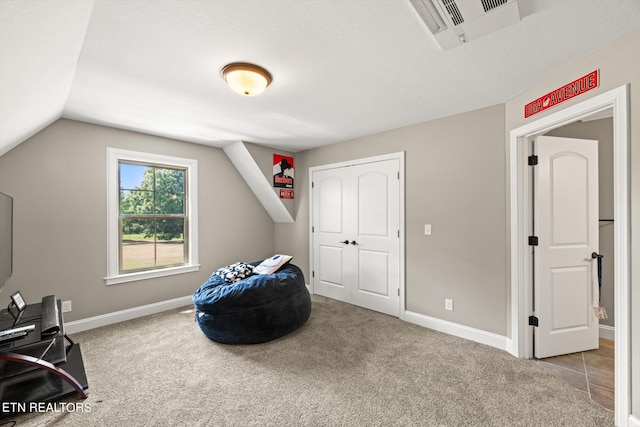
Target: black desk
x=31 y=373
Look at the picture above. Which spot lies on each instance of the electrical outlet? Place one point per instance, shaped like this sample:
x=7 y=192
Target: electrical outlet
x=66 y=306
x=427 y=229
x=448 y=304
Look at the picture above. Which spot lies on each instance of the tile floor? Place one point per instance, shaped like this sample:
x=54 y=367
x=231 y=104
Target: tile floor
x=591 y=372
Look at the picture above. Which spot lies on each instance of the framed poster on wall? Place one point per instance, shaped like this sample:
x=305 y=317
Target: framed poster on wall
x=282 y=171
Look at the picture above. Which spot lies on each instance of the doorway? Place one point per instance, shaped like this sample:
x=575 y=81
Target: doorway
x=590 y=371
x=357 y=232
x=521 y=265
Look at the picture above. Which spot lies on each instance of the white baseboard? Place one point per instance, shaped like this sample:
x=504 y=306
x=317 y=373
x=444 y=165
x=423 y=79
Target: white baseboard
x=607 y=332
x=634 y=421
x=123 y=315
x=466 y=332
x=508 y=345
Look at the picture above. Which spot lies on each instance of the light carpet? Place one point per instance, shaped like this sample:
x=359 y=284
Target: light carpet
x=346 y=366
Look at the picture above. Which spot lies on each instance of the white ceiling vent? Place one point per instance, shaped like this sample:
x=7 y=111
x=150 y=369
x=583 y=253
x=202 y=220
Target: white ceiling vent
x=454 y=22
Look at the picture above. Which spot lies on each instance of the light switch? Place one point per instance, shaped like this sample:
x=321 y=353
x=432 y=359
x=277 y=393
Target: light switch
x=427 y=229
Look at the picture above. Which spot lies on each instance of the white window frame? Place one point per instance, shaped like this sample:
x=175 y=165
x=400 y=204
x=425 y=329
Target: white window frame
x=114 y=156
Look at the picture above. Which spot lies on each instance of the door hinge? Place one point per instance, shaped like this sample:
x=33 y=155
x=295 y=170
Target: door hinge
x=533 y=240
x=533 y=321
x=532 y=160
x=398 y=175
x=398 y=291
x=398 y=234
x=313 y=229
x=313 y=274
x=313 y=184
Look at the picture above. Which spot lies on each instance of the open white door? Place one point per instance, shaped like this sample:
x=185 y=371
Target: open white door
x=566 y=224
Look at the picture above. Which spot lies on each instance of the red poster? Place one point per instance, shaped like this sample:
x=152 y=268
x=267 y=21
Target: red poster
x=286 y=194
x=564 y=93
x=282 y=171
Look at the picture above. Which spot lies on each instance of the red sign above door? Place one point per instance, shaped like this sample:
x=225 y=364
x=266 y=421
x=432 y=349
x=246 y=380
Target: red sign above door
x=564 y=93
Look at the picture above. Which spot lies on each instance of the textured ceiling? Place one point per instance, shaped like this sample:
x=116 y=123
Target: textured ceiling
x=342 y=68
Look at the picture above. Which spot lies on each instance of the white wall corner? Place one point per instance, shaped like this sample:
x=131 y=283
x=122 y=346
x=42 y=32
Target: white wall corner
x=255 y=179
x=634 y=421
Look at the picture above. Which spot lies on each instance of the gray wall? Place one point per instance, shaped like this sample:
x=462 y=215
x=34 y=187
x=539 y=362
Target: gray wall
x=602 y=131
x=455 y=180
x=58 y=181
x=618 y=66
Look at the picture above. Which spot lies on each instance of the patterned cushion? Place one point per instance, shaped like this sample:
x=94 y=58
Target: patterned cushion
x=234 y=272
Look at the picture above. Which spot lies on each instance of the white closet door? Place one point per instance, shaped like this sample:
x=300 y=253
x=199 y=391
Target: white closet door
x=331 y=234
x=356 y=235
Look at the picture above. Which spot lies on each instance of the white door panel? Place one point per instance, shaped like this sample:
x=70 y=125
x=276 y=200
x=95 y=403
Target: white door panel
x=567 y=284
x=569 y=199
x=566 y=222
x=330 y=197
x=330 y=265
x=374 y=272
x=373 y=200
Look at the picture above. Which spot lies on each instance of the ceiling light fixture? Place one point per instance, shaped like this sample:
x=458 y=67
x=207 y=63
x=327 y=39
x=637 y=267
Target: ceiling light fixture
x=246 y=79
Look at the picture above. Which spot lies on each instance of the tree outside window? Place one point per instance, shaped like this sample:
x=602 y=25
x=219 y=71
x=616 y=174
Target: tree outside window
x=152 y=216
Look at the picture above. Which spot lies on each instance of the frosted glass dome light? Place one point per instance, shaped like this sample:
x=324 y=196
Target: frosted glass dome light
x=246 y=79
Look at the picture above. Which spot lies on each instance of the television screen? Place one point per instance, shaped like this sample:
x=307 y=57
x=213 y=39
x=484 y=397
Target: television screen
x=6 y=238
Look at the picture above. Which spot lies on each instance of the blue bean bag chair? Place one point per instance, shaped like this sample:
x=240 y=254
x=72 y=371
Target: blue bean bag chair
x=255 y=308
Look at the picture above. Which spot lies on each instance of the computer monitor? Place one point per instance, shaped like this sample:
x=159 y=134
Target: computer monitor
x=6 y=238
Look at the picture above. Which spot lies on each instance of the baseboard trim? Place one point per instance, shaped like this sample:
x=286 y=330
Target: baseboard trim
x=607 y=332
x=124 y=315
x=634 y=421
x=461 y=331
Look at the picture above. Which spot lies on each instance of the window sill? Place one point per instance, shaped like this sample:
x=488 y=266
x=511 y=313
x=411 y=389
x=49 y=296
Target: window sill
x=143 y=275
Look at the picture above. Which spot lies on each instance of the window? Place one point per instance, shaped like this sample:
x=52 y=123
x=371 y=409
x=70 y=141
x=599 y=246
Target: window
x=152 y=218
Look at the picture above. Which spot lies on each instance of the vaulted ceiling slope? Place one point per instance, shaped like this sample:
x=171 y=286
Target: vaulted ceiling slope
x=342 y=69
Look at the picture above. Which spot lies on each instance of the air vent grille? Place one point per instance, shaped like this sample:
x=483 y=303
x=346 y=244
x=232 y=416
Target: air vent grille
x=492 y=4
x=455 y=22
x=454 y=12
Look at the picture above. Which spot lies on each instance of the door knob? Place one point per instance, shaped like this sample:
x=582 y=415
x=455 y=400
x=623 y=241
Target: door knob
x=353 y=242
x=346 y=242
x=595 y=255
